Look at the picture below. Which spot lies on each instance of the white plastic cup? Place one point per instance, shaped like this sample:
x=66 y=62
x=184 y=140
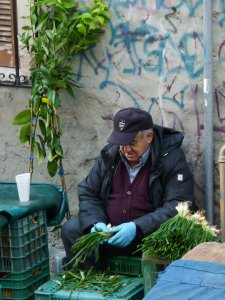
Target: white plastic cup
x=23 y=186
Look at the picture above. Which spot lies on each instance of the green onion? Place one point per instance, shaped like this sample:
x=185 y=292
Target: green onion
x=179 y=234
x=91 y=280
x=87 y=245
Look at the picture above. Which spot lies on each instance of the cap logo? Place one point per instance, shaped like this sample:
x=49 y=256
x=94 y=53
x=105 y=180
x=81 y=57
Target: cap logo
x=121 y=124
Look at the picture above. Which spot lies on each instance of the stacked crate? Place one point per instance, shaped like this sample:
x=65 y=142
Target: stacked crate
x=151 y=266
x=24 y=258
x=146 y=266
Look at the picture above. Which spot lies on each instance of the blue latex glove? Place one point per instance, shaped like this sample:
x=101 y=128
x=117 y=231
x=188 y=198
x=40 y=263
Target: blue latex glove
x=125 y=234
x=99 y=227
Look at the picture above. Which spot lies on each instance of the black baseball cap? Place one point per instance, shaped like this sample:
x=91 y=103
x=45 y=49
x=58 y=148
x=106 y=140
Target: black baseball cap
x=127 y=123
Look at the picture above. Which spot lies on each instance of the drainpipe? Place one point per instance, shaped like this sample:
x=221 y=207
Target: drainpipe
x=222 y=191
x=208 y=116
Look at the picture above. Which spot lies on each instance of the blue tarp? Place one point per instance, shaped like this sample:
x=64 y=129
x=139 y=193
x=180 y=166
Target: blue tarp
x=190 y=280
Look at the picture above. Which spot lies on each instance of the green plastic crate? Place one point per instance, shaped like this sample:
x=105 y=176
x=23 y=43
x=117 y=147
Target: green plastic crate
x=126 y=265
x=22 y=286
x=48 y=291
x=24 y=243
x=25 y=225
x=151 y=266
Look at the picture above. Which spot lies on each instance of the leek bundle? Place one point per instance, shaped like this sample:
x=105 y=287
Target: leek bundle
x=88 y=245
x=179 y=234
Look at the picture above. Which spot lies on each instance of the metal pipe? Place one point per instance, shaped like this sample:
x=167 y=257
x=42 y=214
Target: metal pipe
x=222 y=191
x=208 y=116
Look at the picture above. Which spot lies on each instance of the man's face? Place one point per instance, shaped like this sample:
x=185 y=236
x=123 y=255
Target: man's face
x=137 y=147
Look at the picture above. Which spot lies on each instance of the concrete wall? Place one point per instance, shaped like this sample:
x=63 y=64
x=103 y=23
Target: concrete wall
x=151 y=56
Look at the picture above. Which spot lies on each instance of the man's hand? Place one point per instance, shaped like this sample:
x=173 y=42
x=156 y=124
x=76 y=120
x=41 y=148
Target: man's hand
x=99 y=227
x=125 y=234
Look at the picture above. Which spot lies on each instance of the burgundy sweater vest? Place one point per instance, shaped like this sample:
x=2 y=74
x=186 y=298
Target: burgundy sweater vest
x=129 y=201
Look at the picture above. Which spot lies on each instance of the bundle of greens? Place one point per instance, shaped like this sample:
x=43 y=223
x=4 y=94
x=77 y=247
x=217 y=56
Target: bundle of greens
x=88 y=245
x=93 y=280
x=179 y=234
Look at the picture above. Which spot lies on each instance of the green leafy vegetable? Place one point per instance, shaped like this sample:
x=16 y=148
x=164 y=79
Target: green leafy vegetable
x=179 y=234
x=93 y=280
x=88 y=245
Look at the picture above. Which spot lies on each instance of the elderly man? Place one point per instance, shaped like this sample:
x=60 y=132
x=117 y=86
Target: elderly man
x=135 y=184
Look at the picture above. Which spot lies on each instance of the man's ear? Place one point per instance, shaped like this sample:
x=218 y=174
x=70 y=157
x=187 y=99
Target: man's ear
x=149 y=136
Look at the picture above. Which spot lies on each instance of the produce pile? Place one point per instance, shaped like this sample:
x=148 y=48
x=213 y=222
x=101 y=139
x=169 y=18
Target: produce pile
x=91 y=280
x=179 y=234
x=94 y=280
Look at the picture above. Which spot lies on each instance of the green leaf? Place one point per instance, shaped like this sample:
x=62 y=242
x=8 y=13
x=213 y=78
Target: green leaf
x=42 y=128
x=96 y=11
x=50 y=3
x=44 y=70
x=33 y=19
x=59 y=151
x=23 y=117
x=101 y=20
x=42 y=143
x=60 y=83
x=61 y=44
x=39 y=153
x=59 y=124
x=45 y=49
x=87 y=21
x=69 y=90
x=106 y=15
x=57 y=102
x=52 y=167
x=50 y=155
x=86 y=16
x=69 y=4
x=41 y=24
x=27 y=28
x=81 y=28
x=51 y=96
x=44 y=111
x=25 y=133
x=37 y=101
x=49 y=34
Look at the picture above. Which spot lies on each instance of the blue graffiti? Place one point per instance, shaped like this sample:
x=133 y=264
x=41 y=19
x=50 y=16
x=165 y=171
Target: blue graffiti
x=188 y=58
x=153 y=45
x=178 y=103
x=190 y=5
x=135 y=101
x=117 y=5
x=222 y=20
x=145 y=48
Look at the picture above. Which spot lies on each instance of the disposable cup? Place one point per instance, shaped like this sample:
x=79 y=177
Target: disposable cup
x=23 y=186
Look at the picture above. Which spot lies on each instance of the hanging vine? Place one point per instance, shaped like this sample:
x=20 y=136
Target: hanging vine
x=57 y=31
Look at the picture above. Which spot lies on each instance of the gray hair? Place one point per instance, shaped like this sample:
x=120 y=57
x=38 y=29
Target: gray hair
x=145 y=132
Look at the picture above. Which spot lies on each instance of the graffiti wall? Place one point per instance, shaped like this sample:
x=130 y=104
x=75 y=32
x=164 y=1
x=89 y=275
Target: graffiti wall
x=151 y=56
